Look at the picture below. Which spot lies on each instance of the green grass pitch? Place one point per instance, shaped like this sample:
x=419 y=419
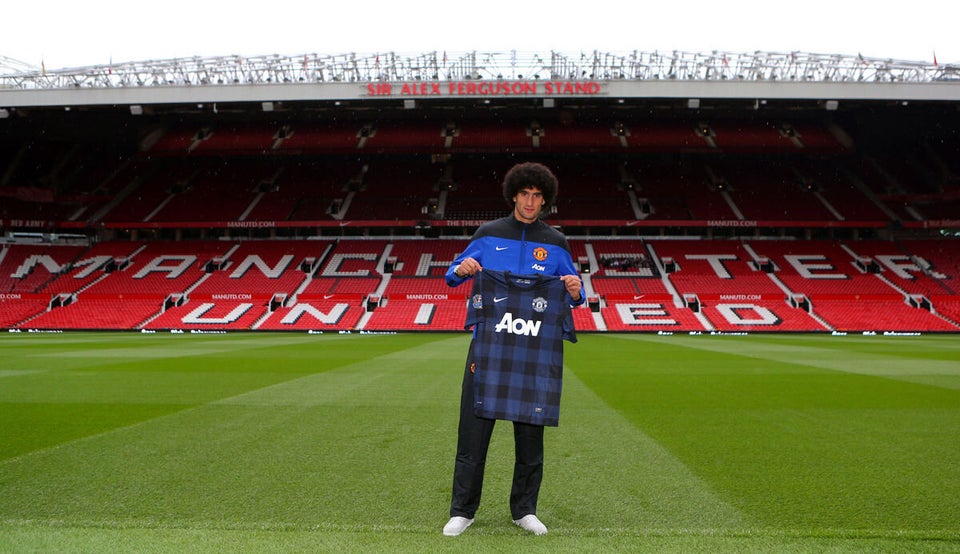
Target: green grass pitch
x=295 y=442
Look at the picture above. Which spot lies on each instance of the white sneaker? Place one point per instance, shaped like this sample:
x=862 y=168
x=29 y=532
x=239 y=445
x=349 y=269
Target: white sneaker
x=457 y=525
x=532 y=523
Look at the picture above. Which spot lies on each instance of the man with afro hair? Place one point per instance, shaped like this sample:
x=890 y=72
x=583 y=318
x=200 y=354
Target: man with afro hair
x=520 y=243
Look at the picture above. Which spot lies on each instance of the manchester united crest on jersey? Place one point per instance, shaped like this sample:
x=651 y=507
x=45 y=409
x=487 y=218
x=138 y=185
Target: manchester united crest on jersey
x=540 y=253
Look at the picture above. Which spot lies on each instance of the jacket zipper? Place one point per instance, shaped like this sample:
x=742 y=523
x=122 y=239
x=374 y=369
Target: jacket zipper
x=523 y=248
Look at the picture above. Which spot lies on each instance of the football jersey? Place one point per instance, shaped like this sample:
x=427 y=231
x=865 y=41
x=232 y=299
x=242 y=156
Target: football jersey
x=520 y=323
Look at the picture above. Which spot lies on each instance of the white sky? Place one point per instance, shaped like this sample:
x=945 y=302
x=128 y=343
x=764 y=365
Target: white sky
x=79 y=33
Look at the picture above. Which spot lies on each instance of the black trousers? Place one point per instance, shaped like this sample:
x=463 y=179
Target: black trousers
x=473 y=439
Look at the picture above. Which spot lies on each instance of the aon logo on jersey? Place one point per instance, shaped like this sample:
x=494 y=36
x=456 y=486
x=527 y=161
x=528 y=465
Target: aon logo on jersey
x=518 y=326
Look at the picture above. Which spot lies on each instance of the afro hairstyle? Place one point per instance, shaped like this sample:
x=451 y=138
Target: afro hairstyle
x=530 y=175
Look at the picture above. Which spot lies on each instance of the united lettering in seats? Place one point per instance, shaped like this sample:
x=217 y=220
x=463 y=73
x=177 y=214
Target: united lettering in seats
x=520 y=323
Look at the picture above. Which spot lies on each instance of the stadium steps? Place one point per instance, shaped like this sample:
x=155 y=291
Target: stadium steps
x=665 y=277
x=124 y=192
x=945 y=318
x=16 y=313
x=106 y=275
x=868 y=192
x=598 y=320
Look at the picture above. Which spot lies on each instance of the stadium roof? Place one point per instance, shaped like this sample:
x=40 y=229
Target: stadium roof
x=439 y=75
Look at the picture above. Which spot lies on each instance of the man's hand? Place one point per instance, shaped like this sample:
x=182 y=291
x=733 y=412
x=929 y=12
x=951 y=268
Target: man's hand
x=467 y=268
x=573 y=284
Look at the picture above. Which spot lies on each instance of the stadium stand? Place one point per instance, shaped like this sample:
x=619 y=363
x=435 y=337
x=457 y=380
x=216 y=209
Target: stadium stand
x=772 y=191
x=93 y=265
x=578 y=136
x=213 y=192
x=395 y=189
x=317 y=313
x=909 y=266
x=212 y=314
x=650 y=314
x=427 y=258
x=261 y=267
x=644 y=134
x=429 y=136
x=650 y=285
x=28 y=268
x=948 y=307
x=473 y=193
x=146 y=192
x=483 y=136
x=592 y=191
x=885 y=313
x=344 y=215
x=731 y=287
x=841 y=188
x=418 y=315
x=820 y=268
x=96 y=312
x=339 y=137
x=17 y=308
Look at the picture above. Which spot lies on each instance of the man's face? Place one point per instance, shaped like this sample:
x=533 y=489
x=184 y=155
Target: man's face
x=527 y=204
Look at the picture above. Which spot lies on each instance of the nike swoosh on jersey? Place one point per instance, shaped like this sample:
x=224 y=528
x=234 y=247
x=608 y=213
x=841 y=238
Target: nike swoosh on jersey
x=499 y=248
x=495 y=300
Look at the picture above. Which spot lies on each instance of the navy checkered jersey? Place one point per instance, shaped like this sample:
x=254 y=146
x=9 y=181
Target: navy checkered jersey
x=520 y=323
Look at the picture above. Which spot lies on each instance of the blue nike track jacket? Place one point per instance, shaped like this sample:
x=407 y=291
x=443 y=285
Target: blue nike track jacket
x=508 y=244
